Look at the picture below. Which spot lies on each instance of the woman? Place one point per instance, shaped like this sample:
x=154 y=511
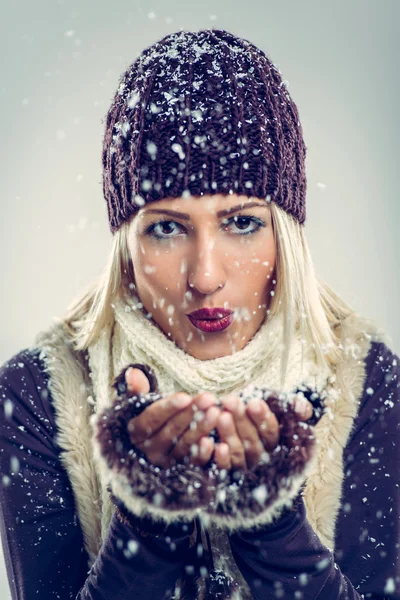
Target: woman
x=209 y=420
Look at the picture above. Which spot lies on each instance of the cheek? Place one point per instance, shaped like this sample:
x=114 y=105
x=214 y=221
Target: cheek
x=255 y=261
x=254 y=270
x=157 y=269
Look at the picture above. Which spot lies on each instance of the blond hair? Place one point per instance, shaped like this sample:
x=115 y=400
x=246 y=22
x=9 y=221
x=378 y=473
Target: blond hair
x=306 y=300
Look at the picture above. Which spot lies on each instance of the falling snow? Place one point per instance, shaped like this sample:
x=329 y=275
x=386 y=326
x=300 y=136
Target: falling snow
x=39 y=486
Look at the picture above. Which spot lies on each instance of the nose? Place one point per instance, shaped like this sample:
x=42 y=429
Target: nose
x=206 y=268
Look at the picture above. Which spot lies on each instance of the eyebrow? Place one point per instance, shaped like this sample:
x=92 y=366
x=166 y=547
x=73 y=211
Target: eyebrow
x=221 y=213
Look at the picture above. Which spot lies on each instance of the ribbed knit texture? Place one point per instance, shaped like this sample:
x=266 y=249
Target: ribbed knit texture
x=199 y=113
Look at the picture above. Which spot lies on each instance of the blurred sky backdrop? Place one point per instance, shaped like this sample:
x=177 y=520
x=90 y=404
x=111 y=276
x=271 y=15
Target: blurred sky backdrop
x=62 y=60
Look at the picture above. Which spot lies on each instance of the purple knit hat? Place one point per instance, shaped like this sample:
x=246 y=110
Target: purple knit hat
x=201 y=113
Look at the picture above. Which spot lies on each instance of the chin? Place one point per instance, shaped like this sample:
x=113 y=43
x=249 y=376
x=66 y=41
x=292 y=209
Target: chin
x=209 y=350
x=215 y=345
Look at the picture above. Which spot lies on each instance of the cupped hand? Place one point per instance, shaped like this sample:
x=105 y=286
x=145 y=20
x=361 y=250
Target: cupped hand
x=175 y=428
x=249 y=431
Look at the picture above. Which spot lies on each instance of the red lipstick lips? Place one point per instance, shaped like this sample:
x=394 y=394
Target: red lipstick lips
x=211 y=319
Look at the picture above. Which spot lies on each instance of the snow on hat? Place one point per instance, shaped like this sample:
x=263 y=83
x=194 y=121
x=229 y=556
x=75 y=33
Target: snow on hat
x=199 y=113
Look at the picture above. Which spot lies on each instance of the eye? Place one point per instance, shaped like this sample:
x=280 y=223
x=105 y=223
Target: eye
x=167 y=229
x=243 y=222
x=164 y=231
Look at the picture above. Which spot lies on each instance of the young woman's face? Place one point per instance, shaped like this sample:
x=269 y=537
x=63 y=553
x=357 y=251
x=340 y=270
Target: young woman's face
x=205 y=252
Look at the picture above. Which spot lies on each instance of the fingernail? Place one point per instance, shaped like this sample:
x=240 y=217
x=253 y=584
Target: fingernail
x=212 y=416
x=205 y=400
x=225 y=419
x=224 y=451
x=128 y=371
x=255 y=406
x=230 y=402
x=301 y=406
x=204 y=449
x=181 y=400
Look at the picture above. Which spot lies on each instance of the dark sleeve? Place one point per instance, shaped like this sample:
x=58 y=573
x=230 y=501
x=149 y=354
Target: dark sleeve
x=41 y=535
x=368 y=528
x=287 y=559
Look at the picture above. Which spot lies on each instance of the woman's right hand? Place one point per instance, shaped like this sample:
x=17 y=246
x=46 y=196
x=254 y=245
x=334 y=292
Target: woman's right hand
x=175 y=428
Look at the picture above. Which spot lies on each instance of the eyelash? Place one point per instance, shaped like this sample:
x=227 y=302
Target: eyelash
x=150 y=230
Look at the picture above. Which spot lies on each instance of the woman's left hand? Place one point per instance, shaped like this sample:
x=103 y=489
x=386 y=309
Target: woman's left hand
x=247 y=431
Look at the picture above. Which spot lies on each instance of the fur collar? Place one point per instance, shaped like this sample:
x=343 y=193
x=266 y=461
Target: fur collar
x=75 y=400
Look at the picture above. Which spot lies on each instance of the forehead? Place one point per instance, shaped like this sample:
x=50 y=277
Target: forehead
x=212 y=203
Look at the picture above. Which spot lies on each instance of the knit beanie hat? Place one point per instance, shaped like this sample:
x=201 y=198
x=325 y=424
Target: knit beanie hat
x=199 y=113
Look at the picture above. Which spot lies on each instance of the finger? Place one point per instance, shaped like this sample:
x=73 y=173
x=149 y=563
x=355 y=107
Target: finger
x=197 y=426
x=222 y=456
x=156 y=415
x=163 y=440
x=201 y=425
x=247 y=431
x=227 y=431
x=136 y=381
x=157 y=432
x=266 y=422
x=157 y=447
x=204 y=400
x=206 y=448
x=166 y=443
x=303 y=408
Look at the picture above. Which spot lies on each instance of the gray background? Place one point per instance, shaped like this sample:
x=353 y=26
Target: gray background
x=61 y=64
